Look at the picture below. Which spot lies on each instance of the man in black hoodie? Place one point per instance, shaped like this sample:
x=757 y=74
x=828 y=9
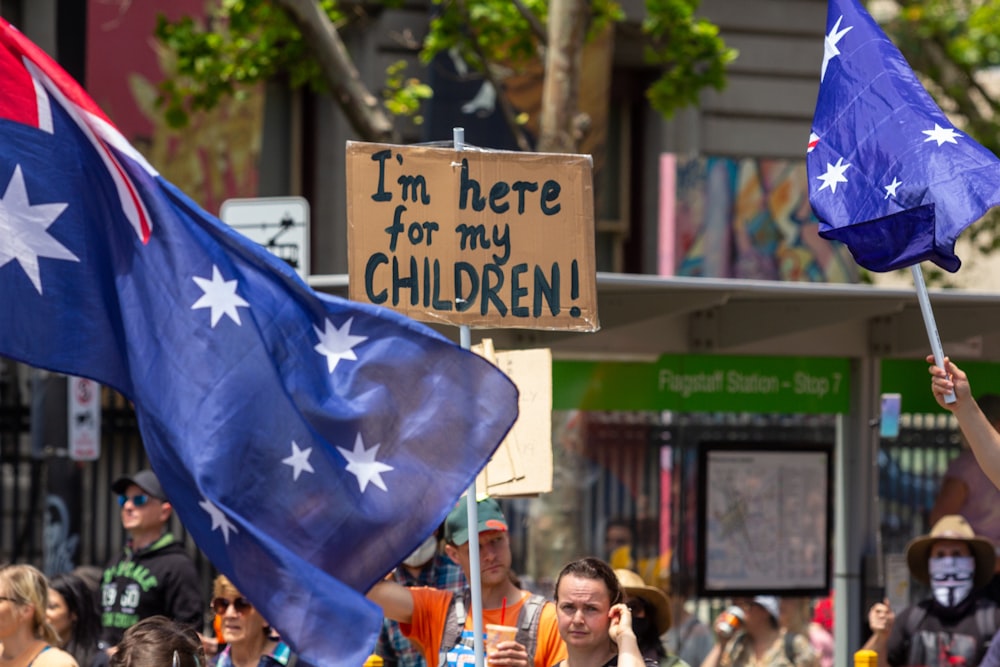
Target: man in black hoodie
x=155 y=575
x=953 y=627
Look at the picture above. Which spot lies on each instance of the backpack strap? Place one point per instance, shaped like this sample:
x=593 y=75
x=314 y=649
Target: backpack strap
x=454 y=624
x=914 y=618
x=527 y=624
x=986 y=622
x=790 y=647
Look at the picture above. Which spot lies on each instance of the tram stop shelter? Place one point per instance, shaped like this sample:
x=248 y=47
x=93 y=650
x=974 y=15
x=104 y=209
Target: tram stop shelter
x=644 y=318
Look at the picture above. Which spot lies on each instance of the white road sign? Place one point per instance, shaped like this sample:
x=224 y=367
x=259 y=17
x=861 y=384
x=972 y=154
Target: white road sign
x=280 y=224
x=84 y=427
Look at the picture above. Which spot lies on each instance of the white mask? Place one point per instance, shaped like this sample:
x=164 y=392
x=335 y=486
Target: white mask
x=951 y=578
x=423 y=553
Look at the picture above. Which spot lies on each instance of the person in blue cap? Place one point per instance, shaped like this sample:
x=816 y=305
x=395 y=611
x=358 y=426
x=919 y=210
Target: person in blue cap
x=440 y=622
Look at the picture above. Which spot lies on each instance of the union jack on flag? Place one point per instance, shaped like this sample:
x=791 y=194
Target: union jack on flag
x=28 y=78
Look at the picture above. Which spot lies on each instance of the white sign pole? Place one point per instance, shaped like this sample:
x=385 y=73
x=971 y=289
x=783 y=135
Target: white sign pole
x=475 y=575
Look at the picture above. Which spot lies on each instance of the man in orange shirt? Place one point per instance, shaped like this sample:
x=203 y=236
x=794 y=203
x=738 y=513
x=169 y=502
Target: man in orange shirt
x=440 y=622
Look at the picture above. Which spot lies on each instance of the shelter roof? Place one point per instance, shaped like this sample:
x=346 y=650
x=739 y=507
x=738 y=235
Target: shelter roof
x=644 y=316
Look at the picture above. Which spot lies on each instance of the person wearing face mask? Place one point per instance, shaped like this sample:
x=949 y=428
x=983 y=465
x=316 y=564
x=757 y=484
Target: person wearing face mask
x=955 y=624
x=428 y=565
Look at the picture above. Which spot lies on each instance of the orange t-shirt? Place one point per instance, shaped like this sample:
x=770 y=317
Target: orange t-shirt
x=430 y=614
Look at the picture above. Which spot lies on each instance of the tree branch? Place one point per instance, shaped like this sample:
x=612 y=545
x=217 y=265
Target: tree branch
x=361 y=107
x=536 y=26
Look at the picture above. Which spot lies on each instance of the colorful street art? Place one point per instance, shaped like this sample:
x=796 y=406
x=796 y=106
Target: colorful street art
x=750 y=218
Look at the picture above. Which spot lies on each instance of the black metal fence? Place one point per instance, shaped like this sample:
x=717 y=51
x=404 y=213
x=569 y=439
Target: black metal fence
x=56 y=513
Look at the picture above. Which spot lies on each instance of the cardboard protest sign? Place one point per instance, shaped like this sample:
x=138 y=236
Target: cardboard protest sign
x=522 y=465
x=484 y=239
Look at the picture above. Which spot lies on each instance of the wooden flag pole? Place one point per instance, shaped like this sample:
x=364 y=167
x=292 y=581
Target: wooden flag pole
x=932 y=331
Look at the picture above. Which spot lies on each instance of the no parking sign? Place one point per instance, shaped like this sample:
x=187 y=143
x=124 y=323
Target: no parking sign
x=84 y=413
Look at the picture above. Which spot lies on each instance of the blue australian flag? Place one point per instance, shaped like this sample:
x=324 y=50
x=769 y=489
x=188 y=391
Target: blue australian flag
x=306 y=442
x=889 y=175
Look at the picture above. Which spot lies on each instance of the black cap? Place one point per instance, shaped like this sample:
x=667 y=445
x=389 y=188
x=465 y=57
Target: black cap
x=144 y=479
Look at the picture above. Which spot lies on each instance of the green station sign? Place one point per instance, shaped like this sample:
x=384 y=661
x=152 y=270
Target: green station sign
x=703 y=383
x=911 y=380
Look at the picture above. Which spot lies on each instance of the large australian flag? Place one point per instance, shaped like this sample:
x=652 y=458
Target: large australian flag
x=889 y=175
x=306 y=442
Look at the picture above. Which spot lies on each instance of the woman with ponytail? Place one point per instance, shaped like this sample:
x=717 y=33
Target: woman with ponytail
x=26 y=637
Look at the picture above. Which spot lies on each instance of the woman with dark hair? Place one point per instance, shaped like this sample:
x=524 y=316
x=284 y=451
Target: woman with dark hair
x=594 y=622
x=159 y=642
x=72 y=611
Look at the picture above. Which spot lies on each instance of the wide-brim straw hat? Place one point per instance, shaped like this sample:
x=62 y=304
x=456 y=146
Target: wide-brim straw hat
x=951 y=527
x=634 y=586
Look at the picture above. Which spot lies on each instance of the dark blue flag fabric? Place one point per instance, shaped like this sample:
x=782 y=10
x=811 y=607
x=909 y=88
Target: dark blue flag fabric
x=307 y=443
x=889 y=175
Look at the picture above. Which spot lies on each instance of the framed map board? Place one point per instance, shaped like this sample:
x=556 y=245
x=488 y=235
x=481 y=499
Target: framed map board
x=764 y=517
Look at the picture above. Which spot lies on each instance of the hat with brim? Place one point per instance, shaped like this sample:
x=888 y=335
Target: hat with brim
x=951 y=527
x=144 y=479
x=456 y=526
x=634 y=586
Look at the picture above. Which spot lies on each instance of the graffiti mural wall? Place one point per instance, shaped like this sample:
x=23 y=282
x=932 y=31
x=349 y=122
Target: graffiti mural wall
x=750 y=218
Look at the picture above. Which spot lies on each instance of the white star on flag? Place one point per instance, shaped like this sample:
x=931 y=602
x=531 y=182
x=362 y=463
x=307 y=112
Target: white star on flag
x=890 y=190
x=834 y=174
x=336 y=344
x=23 y=230
x=219 y=295
x=299 y=460
x=830 y=50
x=219 y=520
x=362 y=464
x=941 y=135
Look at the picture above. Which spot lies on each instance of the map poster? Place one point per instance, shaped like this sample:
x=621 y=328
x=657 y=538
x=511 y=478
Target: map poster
x=764 y=519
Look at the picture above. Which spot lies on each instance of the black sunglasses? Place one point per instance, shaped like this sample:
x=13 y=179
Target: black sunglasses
x=240 y=604
x=138 y=500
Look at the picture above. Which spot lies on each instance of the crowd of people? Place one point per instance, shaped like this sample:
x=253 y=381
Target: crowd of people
x=145 y=609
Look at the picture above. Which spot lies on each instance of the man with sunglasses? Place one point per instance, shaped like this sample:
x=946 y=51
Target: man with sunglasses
x=154 y=575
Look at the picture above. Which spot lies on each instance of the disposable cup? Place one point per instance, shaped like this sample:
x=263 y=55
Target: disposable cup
x=498 y=633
